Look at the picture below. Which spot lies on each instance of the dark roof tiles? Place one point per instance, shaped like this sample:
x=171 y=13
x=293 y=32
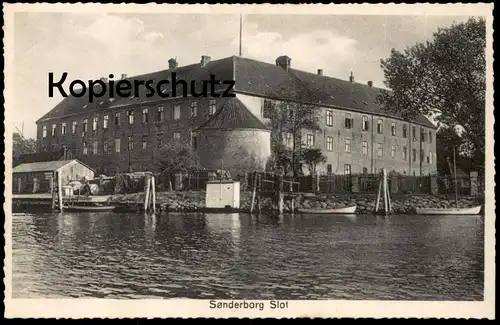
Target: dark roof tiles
x=253 y=77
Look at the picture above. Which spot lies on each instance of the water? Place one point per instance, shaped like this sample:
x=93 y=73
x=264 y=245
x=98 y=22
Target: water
x=226 y=256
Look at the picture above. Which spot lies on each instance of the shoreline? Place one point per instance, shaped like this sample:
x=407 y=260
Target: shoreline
x=194 y=201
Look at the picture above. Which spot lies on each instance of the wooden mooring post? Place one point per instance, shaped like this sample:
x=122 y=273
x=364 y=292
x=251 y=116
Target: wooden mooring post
x=53 y=190
x=153 y=193
x=254 y=192
x=147 y=194
x=60 y=191
x=383 y=189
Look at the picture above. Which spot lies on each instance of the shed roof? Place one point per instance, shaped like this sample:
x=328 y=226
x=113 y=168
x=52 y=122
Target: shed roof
x=45 y=166
x=233 y=114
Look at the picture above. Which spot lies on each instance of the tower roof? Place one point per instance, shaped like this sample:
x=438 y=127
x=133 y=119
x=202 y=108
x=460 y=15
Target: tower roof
x=232 y=114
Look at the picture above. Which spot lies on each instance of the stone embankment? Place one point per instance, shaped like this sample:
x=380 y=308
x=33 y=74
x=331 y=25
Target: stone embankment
x=195 y=201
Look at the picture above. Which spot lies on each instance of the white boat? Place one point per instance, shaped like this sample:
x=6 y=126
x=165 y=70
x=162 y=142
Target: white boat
x=449 y=211
x=346 y=210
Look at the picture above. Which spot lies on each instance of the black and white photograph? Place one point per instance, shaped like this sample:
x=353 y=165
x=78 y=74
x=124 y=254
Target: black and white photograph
x=249 y=161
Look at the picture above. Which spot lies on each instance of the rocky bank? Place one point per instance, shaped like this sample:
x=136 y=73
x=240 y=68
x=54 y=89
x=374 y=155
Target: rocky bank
x=191 y=201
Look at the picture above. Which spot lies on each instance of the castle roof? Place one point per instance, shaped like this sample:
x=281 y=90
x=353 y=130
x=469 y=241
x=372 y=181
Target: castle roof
x=232 y=114
x=252 y=77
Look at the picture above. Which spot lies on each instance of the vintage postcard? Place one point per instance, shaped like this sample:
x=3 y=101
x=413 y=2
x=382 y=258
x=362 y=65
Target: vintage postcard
x=249 y=161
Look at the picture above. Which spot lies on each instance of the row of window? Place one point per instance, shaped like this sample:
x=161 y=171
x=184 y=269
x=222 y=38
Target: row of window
x=269 y=106
x=380 y=148
x=347 y=170
x=160 y=116
x=130 y=144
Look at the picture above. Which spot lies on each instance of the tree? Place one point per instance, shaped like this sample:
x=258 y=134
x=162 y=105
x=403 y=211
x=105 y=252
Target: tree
x=298 y=110
x=22 y=145
x=245 y=162
x=446 y=139
x=313 y=157
x=444 y=78
x=176 y=157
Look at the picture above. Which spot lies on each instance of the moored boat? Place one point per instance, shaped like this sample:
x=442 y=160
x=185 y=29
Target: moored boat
x=346 y=210
x=449 y=211
x=89 y=208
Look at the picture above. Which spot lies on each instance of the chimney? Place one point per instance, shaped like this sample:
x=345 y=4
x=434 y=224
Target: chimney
x=124 y=75
x=320 y=72
x=370 y=83
x=204 y=60
x=351 y=78
x=283 y=62
x=172 y=63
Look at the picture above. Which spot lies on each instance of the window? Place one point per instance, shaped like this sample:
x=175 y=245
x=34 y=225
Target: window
x=405 y=153
x=348 y=145
x=145 y=113
x=105 y=147
x=130 y=117
x=63 y=128
x=414 y=132
x=85 y=148
x=177 y=135
x=289 y=113
x=329 y=143
x=329 y=169
x=414 y=155
x=329 y=118
x=405 y=131
x=365 y=123
x=347 y=169
x=289 y=140
x=430 y=158
x=94 y=123
x=380 y=126
x=95 y=147
x=422 y=155
x=422 y=135
x=85 y=127
x=365 y=147
x=348 y=121
x=393 y=151
x=177 y=112
x=130 y=143
x=44 y=131
x=144 y=142
x=211 y=107
x=194 y=109
x=393 y=129
x=380 y=149
x=117 y=145
x=105 y=120
x=365 y=170
x=193 y=139
x=310 y=140
x=117 y=119
x=267 y=109
x=159 y=114
x=53 y=132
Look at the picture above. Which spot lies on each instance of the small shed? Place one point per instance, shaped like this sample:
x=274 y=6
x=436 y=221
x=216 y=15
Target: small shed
x=36 y=177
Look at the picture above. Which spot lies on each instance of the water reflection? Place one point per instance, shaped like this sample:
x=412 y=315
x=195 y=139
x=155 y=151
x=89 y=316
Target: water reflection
x=133 y=255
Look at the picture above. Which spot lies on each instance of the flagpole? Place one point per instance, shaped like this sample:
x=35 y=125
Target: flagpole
x=241 y=28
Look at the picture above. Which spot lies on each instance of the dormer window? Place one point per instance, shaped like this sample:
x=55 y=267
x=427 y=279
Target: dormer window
x=268 y=108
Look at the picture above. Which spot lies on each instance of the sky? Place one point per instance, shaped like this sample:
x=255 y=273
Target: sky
x=93 y=45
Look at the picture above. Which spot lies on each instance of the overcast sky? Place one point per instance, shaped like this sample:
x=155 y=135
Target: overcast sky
x=90 y=46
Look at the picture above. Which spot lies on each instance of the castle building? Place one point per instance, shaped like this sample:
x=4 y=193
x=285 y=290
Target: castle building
x=118 y=134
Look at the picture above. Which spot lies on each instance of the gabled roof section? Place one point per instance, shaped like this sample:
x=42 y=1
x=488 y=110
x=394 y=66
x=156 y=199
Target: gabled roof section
x=232 y=114
x=44 y=166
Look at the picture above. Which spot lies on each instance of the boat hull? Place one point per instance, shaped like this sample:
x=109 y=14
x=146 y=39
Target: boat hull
x=347 y=210
x=74 y=208
x=450 y=211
